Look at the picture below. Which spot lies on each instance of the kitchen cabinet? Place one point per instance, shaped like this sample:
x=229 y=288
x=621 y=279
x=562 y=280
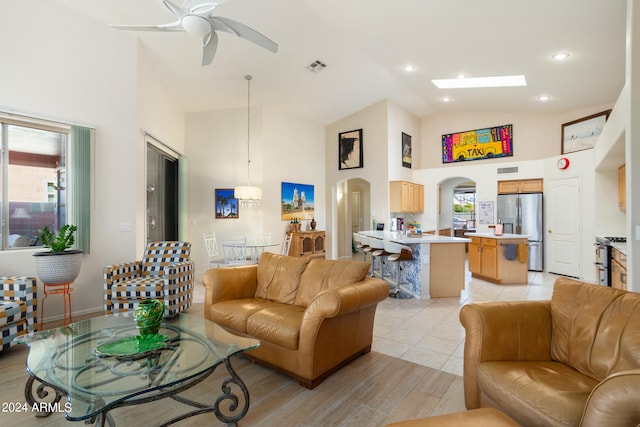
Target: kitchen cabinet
x=307 y=243
x=487 y=258
x=622 y=188
x=618 y=269
x=406 y=196
x=520 y=186
x=483 y=257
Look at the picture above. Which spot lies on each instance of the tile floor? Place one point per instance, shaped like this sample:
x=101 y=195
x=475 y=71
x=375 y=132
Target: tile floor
x=428 y=331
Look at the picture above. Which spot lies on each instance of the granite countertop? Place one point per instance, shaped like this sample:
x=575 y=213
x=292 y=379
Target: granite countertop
x=398 y=237
x=503 y=236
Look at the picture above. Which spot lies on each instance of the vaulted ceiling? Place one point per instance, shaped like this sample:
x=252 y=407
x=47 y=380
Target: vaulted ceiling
x=366 y=43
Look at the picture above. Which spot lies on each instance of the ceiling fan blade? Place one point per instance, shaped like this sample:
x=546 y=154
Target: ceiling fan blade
x=176 y=26
x=203 y=8
x=209 y=48
x=175 y=9
x=234 y=27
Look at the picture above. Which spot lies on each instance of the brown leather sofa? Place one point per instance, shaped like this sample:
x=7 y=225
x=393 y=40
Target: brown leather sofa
x=311 y=316
x=571 y=361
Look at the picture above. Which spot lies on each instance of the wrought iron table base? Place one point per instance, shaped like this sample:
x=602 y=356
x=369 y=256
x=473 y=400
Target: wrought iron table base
x=235 y=411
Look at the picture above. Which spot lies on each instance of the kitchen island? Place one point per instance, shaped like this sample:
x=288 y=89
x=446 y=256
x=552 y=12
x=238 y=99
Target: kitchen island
x=499 y=259
x=438 y=265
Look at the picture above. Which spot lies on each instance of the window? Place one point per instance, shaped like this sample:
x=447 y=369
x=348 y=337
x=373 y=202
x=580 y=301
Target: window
x=35 y=180
x=464 y=208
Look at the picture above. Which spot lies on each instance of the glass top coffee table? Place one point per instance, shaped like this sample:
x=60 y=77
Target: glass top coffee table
x=99 y=365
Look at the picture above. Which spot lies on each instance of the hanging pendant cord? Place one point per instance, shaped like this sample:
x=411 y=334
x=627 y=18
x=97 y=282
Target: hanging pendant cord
x=248 y=78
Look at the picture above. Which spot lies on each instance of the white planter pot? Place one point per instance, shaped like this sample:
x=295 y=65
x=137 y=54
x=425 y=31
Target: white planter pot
x=58 y=267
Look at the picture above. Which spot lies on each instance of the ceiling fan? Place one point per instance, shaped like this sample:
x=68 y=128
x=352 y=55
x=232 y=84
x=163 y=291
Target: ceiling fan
x=195 y=17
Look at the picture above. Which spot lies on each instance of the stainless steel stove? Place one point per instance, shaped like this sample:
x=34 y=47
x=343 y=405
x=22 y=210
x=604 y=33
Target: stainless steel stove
x=603 y=258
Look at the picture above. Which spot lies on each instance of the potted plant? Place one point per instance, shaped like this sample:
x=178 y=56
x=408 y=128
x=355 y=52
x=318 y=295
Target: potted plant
x=61 y=264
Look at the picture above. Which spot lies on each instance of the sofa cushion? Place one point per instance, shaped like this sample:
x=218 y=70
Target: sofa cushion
x=590 y=329
x=279 y=277
x=233 y=314
x=552 y=393
x=278 y=324
x=323 y=274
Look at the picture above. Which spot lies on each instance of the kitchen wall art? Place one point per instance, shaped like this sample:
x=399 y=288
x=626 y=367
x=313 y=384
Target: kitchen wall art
x=478 y=144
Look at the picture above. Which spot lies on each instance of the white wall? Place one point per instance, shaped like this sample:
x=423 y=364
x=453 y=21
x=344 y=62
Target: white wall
x=373 y=120
x=283 y=148
x=86 y=74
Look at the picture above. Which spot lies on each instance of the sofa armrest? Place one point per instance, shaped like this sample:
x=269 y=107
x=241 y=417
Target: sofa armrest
x=229 y=283
x=117 y=273
x=345 y=299
x=179 y=271
x=614 y=401
x=18 y=288
x=509 y=331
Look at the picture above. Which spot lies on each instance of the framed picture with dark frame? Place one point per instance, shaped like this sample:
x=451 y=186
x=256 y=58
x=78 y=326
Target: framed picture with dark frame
x=583 y=133
x=406 y=150
x=226 y=204
x=350 y=149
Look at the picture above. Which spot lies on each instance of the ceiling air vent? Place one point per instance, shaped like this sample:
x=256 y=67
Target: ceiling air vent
x=508 y=170
x=316 y=66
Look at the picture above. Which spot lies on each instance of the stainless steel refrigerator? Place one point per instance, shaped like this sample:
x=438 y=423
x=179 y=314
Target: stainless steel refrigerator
x=522 y=214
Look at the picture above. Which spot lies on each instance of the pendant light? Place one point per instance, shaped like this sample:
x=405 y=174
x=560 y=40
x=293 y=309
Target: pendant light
x=248 y=196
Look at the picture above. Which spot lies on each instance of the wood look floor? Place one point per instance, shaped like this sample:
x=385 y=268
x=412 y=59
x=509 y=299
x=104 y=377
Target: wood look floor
x=374 y=390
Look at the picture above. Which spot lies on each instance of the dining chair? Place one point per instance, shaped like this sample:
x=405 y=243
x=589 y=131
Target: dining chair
x=286 y=244
x=211 y=244
x=235 y=251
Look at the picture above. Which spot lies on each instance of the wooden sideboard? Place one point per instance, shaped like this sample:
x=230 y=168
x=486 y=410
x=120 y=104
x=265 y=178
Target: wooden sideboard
x=307 y=243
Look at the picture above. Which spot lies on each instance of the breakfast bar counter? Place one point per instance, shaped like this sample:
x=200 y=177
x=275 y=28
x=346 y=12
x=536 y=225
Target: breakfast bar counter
x=438 y=265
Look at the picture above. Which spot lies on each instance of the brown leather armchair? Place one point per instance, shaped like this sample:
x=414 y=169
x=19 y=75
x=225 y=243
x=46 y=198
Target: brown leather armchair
x=311 y=316
x=571 y=361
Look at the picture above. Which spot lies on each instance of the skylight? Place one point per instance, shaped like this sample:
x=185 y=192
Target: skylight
x=474 y=82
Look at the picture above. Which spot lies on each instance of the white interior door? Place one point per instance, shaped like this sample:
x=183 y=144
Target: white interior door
x=563 y=225
x=355 y=212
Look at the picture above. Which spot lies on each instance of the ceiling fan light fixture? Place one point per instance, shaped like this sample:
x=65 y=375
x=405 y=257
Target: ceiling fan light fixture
x=196 y=25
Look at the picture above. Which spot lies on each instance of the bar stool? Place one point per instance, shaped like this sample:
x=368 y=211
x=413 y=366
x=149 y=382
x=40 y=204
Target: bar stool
x=379 y=253
x=398 y=253
x=361 y=244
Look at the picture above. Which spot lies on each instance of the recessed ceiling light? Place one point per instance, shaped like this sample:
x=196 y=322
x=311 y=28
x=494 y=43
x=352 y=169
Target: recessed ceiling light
x=461 y=76
x=473 y=82
x=409 y=68
x=560 y=56
x=446 y=99
x=544 y=98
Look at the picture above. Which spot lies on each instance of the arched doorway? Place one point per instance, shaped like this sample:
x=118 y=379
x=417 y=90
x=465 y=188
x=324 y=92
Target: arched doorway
x=457 y=206
x=353 y=213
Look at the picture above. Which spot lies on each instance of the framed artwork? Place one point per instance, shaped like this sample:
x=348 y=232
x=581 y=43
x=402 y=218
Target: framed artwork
x=406 y=150
x=226 y=204
x=583 y=133
x=297 y=201
x=478 y=144
x=350 y=149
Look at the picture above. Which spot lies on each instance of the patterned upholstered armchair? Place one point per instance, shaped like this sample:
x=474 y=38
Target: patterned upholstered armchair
x=18 y=308
x=165 y=273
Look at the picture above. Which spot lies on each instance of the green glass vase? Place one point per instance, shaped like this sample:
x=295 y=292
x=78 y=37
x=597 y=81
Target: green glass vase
x=149 y=316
